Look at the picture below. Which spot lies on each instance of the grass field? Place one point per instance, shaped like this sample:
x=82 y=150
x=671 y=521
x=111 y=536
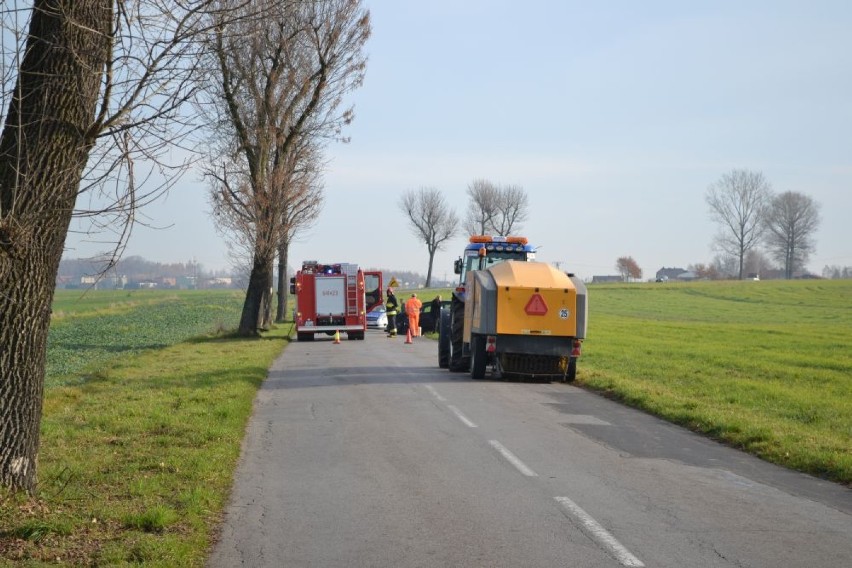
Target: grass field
x=91 y=328
x=764 y=366
x=148 y=398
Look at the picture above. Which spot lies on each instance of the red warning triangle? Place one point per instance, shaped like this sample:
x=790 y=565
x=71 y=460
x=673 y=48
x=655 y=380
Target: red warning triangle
x=536 y=306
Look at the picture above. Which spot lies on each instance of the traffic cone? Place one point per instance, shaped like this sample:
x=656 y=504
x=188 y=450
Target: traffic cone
x=337 y=336
x=408 y=336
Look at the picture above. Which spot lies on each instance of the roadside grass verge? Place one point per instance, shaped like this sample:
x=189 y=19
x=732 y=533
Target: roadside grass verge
x=762 y=366
x=136 y=462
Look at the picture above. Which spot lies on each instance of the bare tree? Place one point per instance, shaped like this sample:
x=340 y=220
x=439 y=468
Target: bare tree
x=737 y=203
x=791 y=221
x=303 y=205
x=279 y=83
x=432 y=220
x=481 y=208
x=91 y=87
x=628 y=268
x=512 y=209
x=497 y=209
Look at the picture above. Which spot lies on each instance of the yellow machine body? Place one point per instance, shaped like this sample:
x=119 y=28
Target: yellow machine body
x=524 y=298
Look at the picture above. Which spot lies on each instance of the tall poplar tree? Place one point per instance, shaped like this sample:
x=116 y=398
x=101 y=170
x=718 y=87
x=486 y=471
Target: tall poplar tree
x=276 y=88
x=89 y=87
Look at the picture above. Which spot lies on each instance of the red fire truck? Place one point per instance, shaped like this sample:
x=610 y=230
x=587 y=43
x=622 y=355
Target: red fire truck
x=334 y=298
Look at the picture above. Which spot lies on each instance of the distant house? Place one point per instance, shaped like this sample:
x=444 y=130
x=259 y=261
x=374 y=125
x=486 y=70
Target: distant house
x=113 y=282
x=219 y=282
x=607 y=278
x=665 y=274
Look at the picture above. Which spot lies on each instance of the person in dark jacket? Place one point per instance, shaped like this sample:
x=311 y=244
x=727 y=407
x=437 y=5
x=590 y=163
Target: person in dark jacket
x=391 y=309
x=436 y=313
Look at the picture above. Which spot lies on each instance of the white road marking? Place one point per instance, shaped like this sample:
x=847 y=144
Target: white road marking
x=513 y=459
x=600 y=534
x=461 y=416
x=431 y=389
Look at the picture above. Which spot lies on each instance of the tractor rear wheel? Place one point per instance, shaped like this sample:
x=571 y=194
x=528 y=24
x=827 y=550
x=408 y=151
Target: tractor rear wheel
x=571 y=374
x=444 y=340
x=458 y=363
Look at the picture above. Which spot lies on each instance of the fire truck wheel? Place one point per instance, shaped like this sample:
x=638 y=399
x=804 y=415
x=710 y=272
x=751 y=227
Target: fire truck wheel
x=305 y=336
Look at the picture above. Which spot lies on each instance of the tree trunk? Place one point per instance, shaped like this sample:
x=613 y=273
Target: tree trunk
x=257 y=297
x=283 y=288
x=741 y=259
x=788 y=264
x=429 y=271
x=44 y=147
x=265 y=323
x=24 y=322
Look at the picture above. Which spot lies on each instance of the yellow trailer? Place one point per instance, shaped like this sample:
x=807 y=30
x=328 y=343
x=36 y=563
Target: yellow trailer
x=518 y=316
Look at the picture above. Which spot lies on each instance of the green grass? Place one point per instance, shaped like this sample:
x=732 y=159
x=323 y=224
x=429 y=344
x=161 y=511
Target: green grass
x=763 y=366
x=87 y=331
x=136 y=461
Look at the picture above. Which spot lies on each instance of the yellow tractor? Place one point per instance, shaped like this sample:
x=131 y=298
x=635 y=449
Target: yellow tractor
x=512 y=314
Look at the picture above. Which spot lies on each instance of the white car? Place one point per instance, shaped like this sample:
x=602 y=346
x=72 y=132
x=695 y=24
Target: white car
x=377 y=318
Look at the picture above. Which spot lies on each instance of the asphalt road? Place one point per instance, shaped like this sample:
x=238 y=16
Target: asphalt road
x=365 y=453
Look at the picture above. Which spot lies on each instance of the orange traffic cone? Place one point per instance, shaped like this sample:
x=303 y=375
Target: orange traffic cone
x=337 y=336
x=408 y=336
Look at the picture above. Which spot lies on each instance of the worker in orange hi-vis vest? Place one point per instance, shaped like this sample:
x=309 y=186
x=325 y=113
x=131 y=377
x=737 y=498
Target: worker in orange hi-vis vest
x=412 y=308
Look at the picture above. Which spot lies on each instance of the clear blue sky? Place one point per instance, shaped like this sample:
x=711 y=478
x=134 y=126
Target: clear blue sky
x=614 y=117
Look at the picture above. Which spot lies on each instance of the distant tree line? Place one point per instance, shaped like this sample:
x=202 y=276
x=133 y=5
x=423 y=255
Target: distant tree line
x=136 y=268
x=760 y=232
x=753 y=220
x=837 y=272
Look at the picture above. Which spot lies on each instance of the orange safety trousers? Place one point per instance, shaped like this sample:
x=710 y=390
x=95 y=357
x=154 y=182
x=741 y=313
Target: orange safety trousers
x=414 y=324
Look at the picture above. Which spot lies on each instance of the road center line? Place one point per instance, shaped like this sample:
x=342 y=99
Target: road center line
x=461 y=416
x=431 y=389
x=600 y=534
x=513 y=459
